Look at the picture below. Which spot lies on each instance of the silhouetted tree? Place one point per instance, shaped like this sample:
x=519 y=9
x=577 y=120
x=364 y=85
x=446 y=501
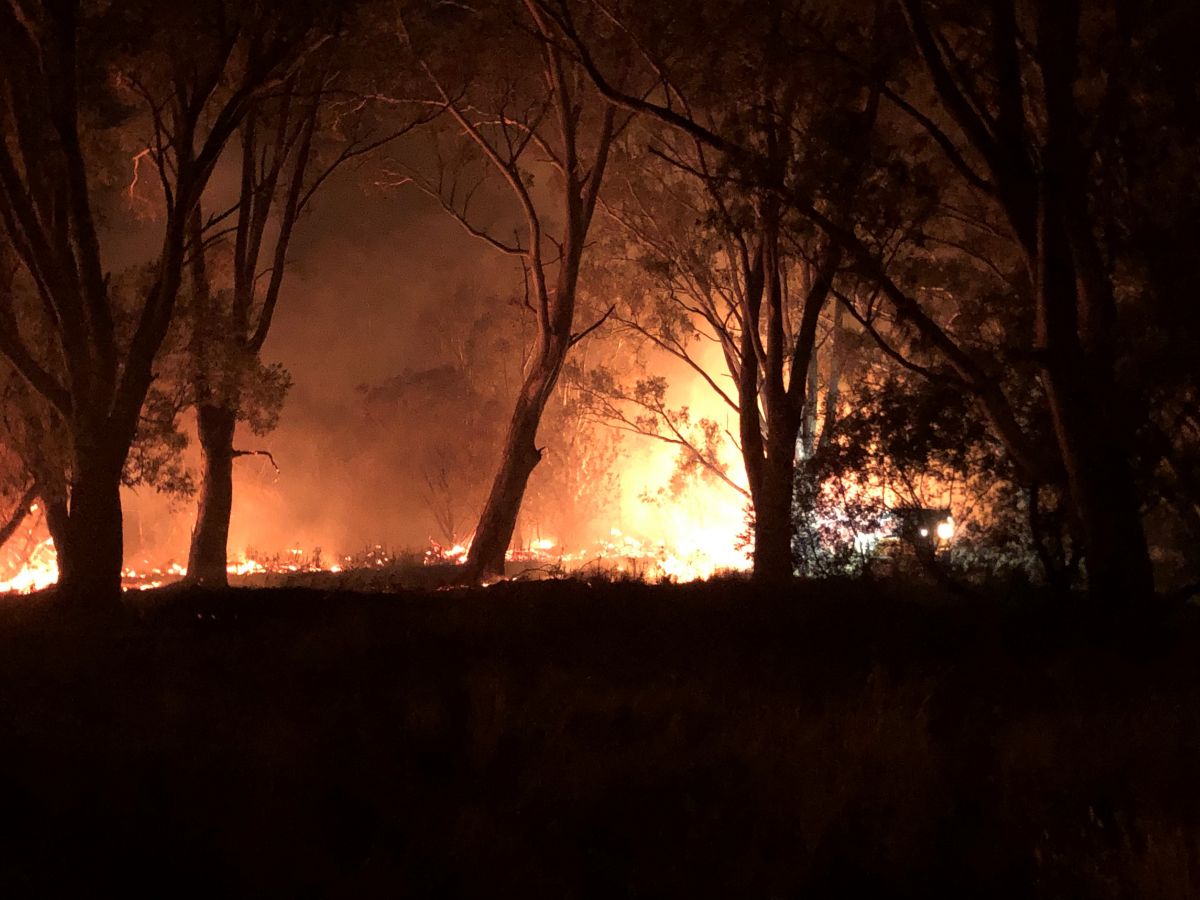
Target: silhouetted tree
x=189 y=74
x=522 y=118
x=291 y=141
x=1022 y=101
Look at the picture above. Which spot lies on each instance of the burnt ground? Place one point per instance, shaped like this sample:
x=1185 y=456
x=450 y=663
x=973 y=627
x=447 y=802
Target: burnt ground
x=561 y=739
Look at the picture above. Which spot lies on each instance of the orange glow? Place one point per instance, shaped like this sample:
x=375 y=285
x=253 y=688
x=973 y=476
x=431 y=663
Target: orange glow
x=244 y=567
x=38 y=570
x=695 y=532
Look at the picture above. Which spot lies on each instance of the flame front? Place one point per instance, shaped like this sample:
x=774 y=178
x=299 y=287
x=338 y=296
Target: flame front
x=36 y=570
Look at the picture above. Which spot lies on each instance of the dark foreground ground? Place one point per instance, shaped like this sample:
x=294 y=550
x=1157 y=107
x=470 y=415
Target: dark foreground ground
x=567 y=740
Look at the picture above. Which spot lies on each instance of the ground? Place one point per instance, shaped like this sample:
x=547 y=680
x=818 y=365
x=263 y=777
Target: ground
x=565 y=739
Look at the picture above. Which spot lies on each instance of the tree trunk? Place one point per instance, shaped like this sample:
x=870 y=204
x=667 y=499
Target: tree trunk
x=808 y=433
x=1079 y=386
x=519 y=459
x=834 y=387
x=58 y=520
x=1102 y=491
x=208 y=554
x=773 y=521
x=91 y=551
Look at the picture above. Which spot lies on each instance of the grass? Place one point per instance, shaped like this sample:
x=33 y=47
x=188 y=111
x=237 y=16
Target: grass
x=573 y=739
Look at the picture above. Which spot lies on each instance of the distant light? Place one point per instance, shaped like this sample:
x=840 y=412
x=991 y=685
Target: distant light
x=945 y=529
x=924 y=532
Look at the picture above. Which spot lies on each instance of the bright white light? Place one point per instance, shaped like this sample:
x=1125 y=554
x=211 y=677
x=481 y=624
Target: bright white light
x=945 y=529
x=924 y=532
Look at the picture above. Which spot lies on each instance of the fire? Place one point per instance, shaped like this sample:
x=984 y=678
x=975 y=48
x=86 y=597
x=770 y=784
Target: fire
x=693 y=531
x=29 y=563
x=696 y=531
x=38 y=570
x=245 y=567
x=697 y=558
x=151 y=576
x=701 y=554
x=437 y=553
x=619 y=552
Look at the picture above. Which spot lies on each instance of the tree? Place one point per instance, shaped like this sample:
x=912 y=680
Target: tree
x=729 y=258
x=193 y=72
x=1015 y=132
x=451 y=419
x=291 y=141
x=1014 y=101
x=527 y=119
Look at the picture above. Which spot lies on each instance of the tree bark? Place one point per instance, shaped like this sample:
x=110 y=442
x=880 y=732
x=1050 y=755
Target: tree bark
x=57 y=521
x=91 y=544
x=773 y=520
x=520 y=457
x=555 y=309
x=770 y=457
x=1077 y=332
x=1103 y=492
x=834 y=387
x=207 y=556
x=1099 y=478
x=1073 y=298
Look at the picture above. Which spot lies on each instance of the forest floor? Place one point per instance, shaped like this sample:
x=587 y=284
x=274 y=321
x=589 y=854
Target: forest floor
x=567 y=739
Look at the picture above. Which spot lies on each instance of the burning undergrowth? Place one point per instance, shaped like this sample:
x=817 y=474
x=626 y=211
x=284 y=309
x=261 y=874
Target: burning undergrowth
x=377 y=568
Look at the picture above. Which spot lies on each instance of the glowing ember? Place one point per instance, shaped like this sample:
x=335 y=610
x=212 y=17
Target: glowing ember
x=437 y=554
x=245 y=567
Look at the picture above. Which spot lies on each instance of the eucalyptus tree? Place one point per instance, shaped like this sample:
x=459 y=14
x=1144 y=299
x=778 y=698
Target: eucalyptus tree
x=76 y=79
x=289 y=143
x=1011 y=105
x=525 y=110
x=732 y=267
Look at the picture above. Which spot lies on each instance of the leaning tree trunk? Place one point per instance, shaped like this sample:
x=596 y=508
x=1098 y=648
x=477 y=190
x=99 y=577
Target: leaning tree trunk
x=207 y=557
x=520 y=457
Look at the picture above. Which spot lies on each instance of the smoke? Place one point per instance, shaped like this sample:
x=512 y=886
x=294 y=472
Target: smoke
x=384 y=288
x=369 y=269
